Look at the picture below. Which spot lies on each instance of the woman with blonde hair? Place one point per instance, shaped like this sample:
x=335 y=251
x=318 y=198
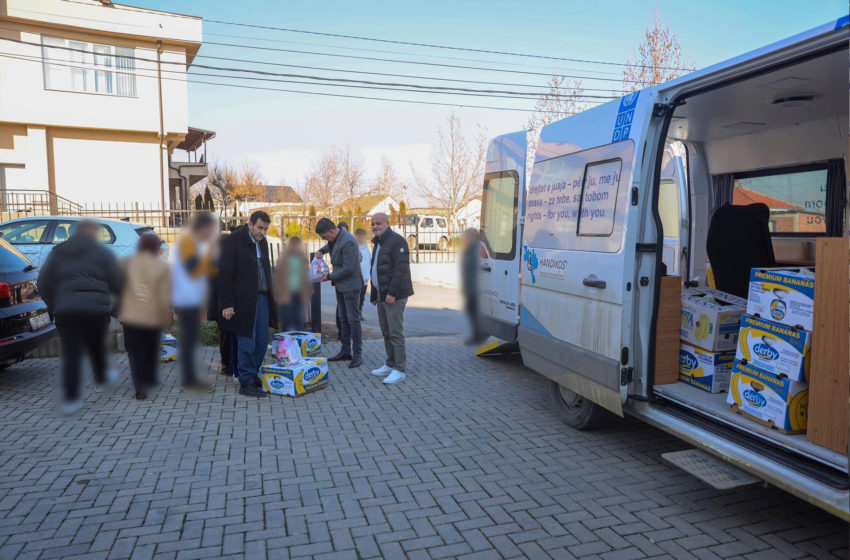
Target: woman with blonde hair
x=292 y=286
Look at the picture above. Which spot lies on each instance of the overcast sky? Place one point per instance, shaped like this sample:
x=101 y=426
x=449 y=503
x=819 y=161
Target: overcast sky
x=284 y=133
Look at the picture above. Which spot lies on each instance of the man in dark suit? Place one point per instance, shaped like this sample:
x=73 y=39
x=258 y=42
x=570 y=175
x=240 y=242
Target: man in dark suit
x=347 y=279
x=248 y=310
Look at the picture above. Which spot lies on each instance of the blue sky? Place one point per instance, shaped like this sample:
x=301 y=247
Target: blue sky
x=284 y=133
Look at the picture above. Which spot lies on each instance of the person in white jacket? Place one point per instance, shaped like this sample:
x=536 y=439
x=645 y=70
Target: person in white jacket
x=365 y=261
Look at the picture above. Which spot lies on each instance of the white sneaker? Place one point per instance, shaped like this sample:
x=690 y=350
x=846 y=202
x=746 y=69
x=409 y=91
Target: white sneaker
x=70 y=407
x=394 y=377
x=383 y=370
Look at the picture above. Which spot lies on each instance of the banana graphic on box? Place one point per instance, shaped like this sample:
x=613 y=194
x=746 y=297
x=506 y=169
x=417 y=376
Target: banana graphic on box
x=703 y=327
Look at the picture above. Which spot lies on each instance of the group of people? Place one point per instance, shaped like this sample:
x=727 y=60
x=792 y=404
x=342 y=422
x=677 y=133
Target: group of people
x=84 y=286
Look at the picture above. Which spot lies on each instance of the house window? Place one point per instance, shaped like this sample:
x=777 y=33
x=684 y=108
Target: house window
x=88 y=67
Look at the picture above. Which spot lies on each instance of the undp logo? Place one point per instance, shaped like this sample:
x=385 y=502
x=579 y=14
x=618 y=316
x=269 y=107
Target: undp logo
x=777 y=309
x=687 y=360
x=312 y=375
x=765 y=351
x=755 y=398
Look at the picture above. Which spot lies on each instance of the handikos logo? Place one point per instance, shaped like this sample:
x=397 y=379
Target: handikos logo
x=275 y=383
x=765 y=351
x=777 y=309
x=755 y=398
x=530 y=259
x=687 y=360
x=311 y=375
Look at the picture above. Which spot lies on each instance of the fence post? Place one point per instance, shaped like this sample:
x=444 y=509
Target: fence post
x=417 y=241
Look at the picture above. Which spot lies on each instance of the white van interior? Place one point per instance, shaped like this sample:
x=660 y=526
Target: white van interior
x=779 y=138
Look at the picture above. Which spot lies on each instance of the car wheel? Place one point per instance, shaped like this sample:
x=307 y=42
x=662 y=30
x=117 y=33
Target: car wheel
x=576 y=411
x=411 y=242
x=443 y=244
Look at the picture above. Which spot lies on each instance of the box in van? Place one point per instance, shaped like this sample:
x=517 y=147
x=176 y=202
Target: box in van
x=775 y=401
x=783 y=295
x=705 y=369
x=775 y=348
x=711 y=318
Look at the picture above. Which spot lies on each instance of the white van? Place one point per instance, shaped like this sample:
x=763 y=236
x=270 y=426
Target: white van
x=623 y=193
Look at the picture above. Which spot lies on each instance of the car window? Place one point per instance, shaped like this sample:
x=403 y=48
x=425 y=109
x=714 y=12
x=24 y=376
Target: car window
x=62 y=232
x=427 y=222
x=441 y=222
x=24 y=233
x=106 y=235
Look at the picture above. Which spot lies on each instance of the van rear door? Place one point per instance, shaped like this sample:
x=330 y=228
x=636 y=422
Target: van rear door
x=501 y=227
x=579 y=244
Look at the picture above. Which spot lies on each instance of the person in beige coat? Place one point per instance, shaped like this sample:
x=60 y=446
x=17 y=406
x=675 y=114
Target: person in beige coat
x=145 y=311
x=292 y=285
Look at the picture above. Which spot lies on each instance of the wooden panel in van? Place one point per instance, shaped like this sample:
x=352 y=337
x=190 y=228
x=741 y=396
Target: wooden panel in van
x=667 y=329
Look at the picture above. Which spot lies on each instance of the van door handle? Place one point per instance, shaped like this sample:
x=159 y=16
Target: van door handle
x=593 y=282
x=486 y=268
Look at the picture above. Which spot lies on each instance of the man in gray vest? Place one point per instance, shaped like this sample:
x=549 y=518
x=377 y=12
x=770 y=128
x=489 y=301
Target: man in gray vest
x=347 y=279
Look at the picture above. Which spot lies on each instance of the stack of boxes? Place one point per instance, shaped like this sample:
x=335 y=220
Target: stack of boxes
x=711 y=321
x=297 y=379
x=771 y=365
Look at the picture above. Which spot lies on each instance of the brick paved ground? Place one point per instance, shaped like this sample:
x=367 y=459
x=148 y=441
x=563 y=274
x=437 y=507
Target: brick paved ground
x=464 y=460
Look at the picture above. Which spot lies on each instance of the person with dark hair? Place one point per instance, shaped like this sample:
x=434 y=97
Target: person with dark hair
x=192 y=266
x=145 y=311
x=347 y=279
x=245 y=285
x=343 y=225
x=292 y=286
x=77 y=282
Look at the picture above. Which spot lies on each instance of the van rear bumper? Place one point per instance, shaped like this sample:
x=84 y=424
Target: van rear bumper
x=835 y=501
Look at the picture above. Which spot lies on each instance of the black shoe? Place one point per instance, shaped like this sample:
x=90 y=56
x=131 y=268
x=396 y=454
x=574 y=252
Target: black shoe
x=251 y=391
x=357 y=361
x=257 y=383
x=141 y=395
x=340 y=357
x=225 y=369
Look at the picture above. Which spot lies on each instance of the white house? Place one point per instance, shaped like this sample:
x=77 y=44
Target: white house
x=469 y=215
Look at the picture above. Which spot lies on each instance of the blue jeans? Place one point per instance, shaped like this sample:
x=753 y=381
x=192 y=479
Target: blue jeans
x=252 y=349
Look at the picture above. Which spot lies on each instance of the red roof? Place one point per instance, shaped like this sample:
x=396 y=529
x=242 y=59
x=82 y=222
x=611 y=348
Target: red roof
x=743 y=197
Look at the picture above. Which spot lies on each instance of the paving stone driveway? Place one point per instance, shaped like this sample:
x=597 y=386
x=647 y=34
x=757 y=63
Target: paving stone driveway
x=464 y=460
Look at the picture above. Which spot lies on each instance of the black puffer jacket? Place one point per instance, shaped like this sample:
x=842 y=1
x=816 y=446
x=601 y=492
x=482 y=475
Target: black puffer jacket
x=393 y=266
x=79 y=276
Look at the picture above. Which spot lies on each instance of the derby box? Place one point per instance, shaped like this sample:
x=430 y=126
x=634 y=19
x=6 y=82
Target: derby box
x=775 y=348
x=784 y=295
x=711 y=318
x=705 y=369
x=774 y=401
x=296 y=379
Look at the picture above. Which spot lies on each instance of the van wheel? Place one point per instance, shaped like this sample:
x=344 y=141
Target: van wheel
x=576 y=411
x=411 y=242
x=443 y=244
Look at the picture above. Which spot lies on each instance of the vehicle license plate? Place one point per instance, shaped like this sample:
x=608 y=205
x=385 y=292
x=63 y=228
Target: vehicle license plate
x=39 y=321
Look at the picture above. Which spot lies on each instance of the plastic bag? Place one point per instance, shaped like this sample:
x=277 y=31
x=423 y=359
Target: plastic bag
x=318 y=269
x=286 y=351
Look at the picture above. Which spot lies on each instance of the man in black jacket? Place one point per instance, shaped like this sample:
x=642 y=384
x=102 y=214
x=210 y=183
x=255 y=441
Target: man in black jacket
x=77 y=283
x=245 y=281
x=391 y=286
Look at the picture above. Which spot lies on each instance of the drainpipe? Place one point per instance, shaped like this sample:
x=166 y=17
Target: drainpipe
x=162 y=145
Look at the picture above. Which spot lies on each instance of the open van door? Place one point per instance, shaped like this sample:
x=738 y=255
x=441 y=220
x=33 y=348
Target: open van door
x=578 y=252
x=501 y=227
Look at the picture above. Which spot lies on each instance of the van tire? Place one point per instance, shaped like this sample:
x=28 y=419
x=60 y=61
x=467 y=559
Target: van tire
x=443 y=244
x=576 y=411
x=411 y=242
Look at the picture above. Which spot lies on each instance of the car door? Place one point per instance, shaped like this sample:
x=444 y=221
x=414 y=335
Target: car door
x=501 y=232
x=426 y=232
x=579 y=244
x=29 y=237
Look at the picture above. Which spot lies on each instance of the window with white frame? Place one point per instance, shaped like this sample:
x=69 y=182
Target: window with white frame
x=88 y=67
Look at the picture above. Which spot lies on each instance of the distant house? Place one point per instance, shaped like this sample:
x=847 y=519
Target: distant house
x=469 y=215
x=278 y=199
x=785 y=217
x=368 y=205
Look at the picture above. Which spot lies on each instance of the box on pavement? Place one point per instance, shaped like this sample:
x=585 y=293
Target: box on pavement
x=775 y=348
x=784 y=295
x=297 y=379
x=705 y=369
x=310 y=342
x=711 y=318
x=168 y=348
x=774 y=401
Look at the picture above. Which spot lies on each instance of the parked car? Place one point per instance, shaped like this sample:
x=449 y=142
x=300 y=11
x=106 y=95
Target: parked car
x=426 y=231
x=24 y=321
x=35 y=237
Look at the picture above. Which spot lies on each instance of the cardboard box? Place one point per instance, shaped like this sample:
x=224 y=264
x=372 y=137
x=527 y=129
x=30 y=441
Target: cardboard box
x=784 y=295
x=774 y=401
x=775 y=348
x=310 y=342
x=711 y=318
x=168 y=348
x=705 y=369
x=295 y=380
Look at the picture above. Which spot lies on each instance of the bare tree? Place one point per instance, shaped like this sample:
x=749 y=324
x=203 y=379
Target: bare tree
x=388 y=182
x=352 y=173
x=324 y=186
x=561 y=100
x=457 y=168
x=659 y=59
x=222 y=181
x=249 y=185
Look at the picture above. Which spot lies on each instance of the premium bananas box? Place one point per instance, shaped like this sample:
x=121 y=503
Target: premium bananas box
x=776 y=401
x=705 y=369
x=310 y=342
x=711 y=318
x=168 y=348
x=775 y=348
x=295 y=380
x=784 y=295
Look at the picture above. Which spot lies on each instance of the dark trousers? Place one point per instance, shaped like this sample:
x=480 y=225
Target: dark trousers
x=292 y=314
x=338 y=321
x=362 y=297
x=81 y=333
x=224 y=345
x=472 y=312
x=252 y=349
x=350 y=335
x=143 y=354
x=190 y=330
